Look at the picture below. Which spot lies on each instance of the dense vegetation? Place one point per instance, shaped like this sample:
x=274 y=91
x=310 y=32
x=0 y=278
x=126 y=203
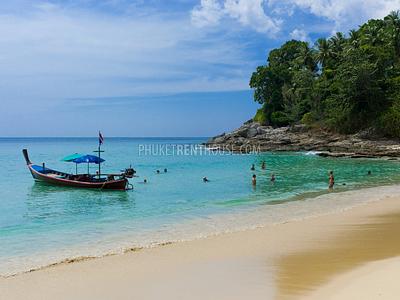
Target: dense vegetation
x=345 y=83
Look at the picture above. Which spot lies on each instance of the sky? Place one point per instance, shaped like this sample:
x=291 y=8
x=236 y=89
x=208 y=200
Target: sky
x=149 y=68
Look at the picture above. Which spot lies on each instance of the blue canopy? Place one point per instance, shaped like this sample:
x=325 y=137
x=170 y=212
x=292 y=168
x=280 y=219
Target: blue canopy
x=71 y=157
x=92 y=159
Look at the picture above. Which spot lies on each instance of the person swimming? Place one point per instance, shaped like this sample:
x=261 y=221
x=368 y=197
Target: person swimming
x=205 y=179
x=263 y=165
x=252 y=167
x=145 y=180
x=331 y=180
x=158 y=171
x=369 y=173
x=254 y=180
x=273 y=178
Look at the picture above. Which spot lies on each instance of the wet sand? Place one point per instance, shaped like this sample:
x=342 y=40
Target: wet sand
x=357 y=242
x=298 y=259
x=375 y=280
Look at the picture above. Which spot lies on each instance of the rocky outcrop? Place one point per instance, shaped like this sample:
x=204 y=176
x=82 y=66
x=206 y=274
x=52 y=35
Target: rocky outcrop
x=252 y=136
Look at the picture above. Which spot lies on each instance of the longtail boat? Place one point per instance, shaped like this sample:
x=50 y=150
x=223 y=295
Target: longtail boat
x=98 y=181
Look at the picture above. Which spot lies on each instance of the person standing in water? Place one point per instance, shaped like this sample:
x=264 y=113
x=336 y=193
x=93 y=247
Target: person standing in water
x=273 y=178
x=331 y=180
x=263 y=166
x=252 y=167
x=254 y=180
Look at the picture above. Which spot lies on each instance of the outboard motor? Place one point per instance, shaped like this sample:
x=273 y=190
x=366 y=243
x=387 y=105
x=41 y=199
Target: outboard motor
x=129 y=172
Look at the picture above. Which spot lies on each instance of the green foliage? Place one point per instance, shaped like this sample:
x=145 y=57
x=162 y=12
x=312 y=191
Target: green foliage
x=279 y=118
x=260 y=116
x=389 y=122
x=308 y=119
x=346 y=83
x=280 y=74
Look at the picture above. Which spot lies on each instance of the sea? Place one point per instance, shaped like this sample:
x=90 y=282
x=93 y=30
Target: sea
x=42 y=225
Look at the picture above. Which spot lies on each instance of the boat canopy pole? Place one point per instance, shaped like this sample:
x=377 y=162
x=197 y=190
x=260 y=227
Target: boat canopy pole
x=99 y=161
x=98 y=151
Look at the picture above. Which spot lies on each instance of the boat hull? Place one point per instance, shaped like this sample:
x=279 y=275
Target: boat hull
x=54 y=177
x=119 y=184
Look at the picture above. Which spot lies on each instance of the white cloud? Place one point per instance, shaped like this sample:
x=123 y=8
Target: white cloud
x=209 y=12
x=265 y=15
x=299 y=34
x=346 y=13
x=249 y=13
x=54 y=53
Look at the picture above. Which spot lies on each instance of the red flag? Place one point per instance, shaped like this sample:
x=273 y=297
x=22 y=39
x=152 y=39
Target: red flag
x=101 y=139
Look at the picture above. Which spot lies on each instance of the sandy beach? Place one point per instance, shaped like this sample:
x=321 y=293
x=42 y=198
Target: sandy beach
x=375 y=280
x=334 y=256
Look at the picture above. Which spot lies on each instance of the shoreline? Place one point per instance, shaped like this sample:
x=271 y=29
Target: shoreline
x=267 y=215
x=270 y=243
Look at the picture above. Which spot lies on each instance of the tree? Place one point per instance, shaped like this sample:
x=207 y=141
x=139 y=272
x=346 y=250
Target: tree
x=338 y=41
x=354 y=38
x=306 y=58
x=343 y=83
x=269 y=81
x=324 y=52
x=393 y=20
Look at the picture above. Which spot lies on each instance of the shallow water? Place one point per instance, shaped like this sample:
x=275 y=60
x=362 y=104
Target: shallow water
x=41 y=224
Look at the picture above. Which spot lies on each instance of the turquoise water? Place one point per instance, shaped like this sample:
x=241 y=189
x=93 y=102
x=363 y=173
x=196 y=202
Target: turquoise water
x=41 y=224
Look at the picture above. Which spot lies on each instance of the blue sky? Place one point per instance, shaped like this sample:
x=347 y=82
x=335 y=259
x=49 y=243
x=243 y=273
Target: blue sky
x=148 y=68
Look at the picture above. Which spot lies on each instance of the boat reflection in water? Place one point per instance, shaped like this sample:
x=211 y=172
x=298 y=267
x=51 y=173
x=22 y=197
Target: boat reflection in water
x=45 y=201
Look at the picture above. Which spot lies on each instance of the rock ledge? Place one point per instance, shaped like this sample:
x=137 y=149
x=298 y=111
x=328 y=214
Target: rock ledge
x=252 y=136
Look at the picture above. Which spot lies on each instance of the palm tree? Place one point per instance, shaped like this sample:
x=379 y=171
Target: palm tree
x=374 y=33
x=393 y=17
x=324 y=51
x=306 y=57
x=393 y=20
x=354 y=38
x=338 y=41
